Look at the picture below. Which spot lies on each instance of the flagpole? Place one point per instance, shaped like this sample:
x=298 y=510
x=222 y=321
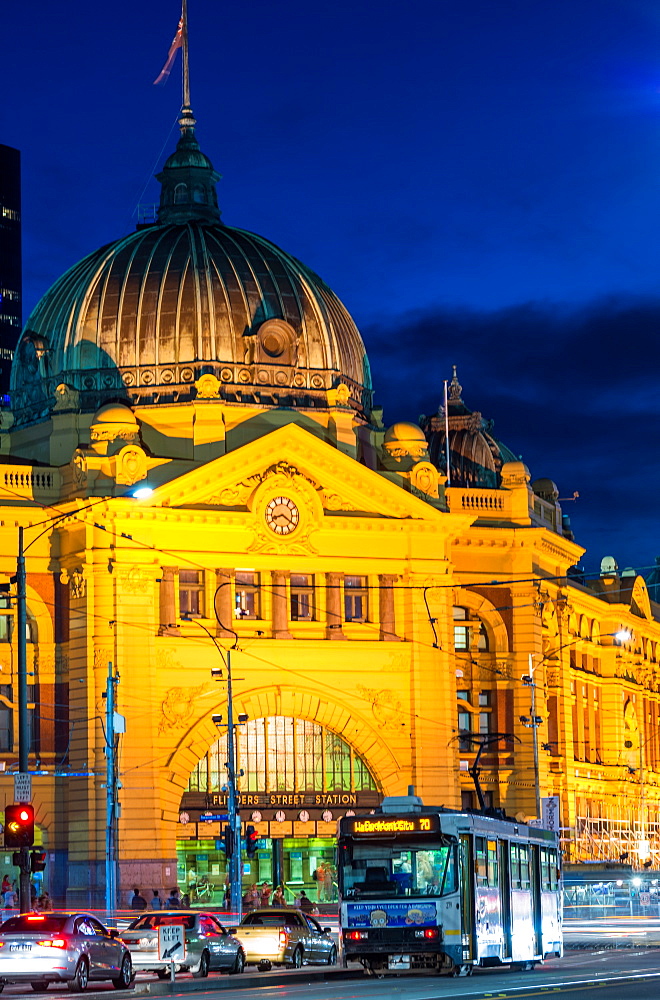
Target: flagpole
x=186 y=77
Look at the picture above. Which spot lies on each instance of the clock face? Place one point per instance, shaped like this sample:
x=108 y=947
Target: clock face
x=282 y=515
x=303 y=816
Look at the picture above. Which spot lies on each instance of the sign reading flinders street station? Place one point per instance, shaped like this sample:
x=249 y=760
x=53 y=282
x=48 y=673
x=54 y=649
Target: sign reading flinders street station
x=308 y=809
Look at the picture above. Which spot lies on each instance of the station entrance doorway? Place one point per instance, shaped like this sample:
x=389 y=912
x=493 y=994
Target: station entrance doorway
x=298 y=779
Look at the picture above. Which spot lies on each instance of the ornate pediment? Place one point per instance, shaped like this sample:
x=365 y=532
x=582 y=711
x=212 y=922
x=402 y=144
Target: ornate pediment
x=299 y=458
x=240 y=494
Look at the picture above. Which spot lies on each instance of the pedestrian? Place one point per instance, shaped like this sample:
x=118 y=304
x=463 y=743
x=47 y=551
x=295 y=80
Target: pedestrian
x=185 y=901
x=278 y=897
x=156 y=902
x=305 y=904
x=138 y=902
x=251 y=897
x=9 y=898
x=45 y=902
x=264 y=895
x=6 y=885
x=174 y=900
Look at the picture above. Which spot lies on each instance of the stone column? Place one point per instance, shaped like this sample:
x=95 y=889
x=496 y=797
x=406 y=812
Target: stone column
x=223 y=612
x=386 y=608
x=167 y=600
x=334 y=611
x=280 y=606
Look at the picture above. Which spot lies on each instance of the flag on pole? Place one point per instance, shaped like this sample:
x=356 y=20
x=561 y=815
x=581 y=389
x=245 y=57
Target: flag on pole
x=177 y=42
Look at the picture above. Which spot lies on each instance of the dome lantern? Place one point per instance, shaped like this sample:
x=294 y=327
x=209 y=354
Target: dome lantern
x=188 y=181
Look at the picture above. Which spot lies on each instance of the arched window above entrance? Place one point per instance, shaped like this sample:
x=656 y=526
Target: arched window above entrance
x=282 y=754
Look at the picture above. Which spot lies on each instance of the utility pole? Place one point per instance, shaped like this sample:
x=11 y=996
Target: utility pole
x=533 y=723
x=24 y=896
x=110 y=793
x=235 y=873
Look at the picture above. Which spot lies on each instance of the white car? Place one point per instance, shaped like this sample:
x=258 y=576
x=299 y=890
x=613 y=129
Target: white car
x=71 y=948
x=208 y=944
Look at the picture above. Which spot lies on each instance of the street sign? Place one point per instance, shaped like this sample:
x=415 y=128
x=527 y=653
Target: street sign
x=213 y=817
x=22 y=787
x=645 y=899
x=550 y=810
x=171 y=943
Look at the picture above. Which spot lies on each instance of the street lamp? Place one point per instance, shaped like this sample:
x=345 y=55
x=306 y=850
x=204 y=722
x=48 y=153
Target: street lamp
x=24 y=895
x=233 y=844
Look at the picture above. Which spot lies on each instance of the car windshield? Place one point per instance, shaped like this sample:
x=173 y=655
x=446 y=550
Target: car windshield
x=269 y=919
x=388 y=870
x=187 y=920
x=39 y=923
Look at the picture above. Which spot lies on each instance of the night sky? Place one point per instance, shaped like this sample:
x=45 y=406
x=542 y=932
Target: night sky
x=478 y=180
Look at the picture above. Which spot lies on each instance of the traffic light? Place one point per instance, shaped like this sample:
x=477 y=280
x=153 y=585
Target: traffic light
x=226 y=842
x=19 y=826
x=37 y=861
x=251 y=841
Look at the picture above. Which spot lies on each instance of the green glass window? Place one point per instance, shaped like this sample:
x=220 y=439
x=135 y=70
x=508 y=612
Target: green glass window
x=285 y=754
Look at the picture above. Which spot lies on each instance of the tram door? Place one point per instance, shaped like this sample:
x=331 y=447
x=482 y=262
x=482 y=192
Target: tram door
x=505 y=896
x=536 y=897
x=467 y=895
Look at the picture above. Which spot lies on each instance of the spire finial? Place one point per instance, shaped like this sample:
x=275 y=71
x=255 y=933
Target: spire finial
x=455 y=388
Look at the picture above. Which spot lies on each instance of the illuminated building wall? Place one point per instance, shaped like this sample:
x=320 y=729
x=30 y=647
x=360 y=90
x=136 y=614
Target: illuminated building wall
x=380 y=621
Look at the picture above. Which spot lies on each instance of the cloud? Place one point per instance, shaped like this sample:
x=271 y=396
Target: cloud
x=574 y=391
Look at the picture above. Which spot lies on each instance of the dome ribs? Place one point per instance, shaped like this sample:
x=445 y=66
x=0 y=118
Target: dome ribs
x=159 y=305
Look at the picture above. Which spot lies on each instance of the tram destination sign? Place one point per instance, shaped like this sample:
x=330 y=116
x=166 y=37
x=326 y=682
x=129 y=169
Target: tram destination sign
x=369 y=826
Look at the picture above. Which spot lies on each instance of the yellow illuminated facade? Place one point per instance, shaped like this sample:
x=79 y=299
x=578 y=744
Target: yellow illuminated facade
x=379 y=619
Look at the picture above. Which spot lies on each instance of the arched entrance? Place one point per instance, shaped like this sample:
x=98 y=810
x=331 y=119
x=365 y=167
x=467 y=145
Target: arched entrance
x=298 y=779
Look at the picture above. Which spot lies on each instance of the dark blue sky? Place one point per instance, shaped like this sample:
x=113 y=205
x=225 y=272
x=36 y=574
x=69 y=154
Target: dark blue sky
x=479 y=181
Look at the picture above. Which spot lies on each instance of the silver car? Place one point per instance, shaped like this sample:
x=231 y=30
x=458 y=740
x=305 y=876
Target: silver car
x=71 y=948
x=208 y=944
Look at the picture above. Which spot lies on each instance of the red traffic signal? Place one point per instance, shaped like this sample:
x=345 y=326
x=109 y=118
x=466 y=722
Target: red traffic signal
x=251 y=840
x=19 y=825
x=37 y=861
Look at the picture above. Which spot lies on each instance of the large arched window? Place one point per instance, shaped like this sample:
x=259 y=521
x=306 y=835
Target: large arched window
x=285 y=754
x=180 y=194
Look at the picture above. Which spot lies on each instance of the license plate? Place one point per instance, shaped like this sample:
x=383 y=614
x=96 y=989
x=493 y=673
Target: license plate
x=398 y=962
x=23 y=946
x=147 y=944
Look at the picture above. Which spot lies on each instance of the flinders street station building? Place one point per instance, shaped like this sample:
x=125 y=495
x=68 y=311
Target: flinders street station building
x=395 y=599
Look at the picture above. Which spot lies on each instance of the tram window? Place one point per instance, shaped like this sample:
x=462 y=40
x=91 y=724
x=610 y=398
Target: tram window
x=520 y=866
x=481 y=863
x=492 y=863
x=391 y=872
x=548 y=870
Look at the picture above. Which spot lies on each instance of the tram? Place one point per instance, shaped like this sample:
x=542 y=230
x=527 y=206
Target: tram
x=433 y=889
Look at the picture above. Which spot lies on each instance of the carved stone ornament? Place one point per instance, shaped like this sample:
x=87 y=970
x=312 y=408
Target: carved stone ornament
x=77 y=584
x=332 y=501
x=241 y=494
x=178 y=707
x=131 y=465
x=424 y=479
x=339 y=396
x=79 y=468
x=66 y=397
x=132 y=580
x=208 y=387
x=385 y=705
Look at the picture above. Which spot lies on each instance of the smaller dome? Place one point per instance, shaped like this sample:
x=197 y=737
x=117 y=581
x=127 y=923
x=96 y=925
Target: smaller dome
x=546 y=489
x=476 y=457
x=405 y=432
x=114 y=413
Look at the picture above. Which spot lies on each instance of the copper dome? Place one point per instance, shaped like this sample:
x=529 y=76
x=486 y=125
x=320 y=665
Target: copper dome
x=144 y=317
